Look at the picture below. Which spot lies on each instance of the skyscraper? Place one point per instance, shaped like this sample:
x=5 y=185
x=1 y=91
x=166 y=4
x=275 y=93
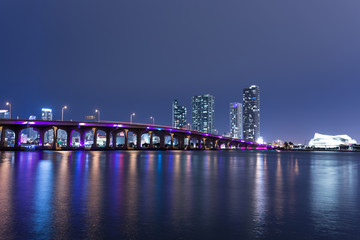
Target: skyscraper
x=178 y=115
x=46 y=114
x=202 y=113
x=236 y=129
x=251 y=112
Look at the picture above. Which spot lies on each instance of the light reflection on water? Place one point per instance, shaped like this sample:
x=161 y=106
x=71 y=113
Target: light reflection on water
x=179 y=195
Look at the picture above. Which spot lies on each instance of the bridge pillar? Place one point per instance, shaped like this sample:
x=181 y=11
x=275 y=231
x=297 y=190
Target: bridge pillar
x=41 y=137
x=181 y=142
x=188 y=141
x=199 y=146
x=68 y=138
x=113 y=135
x=203 y=145
x=126 y=136
x=171 y=140
x=2 y=139
x=82 y=138
x=94 y=137
x=17 y=138
x=217 y=144
x=151 y=139
x=138 y=140
x=162 y=140
x=54 y=145
x=108 y=136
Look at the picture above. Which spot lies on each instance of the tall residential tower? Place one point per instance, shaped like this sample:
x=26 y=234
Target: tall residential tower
x=178 y=115
x=236 y=130
x=251 y=112
x=202 y=113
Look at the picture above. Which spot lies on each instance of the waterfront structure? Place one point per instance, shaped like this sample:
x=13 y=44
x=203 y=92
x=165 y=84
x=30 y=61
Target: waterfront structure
x=178 y=115
x=236 y=120
x=251 y=113
x=4 y=114
x=330 y=141
x=202 y=113
x=180 y=139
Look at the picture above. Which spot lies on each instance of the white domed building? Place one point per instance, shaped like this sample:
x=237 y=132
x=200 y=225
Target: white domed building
x=328 y=141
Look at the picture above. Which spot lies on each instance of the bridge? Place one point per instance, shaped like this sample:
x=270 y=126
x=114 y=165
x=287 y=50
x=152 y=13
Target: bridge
x=117 y=135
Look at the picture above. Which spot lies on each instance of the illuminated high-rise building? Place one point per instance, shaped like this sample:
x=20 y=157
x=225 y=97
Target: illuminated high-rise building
x=46 y=114
x=236 y=120
x=251 y=113
x=178 y=115
x=202 y=113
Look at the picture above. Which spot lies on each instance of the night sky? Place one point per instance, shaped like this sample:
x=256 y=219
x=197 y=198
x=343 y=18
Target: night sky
x=138 y=55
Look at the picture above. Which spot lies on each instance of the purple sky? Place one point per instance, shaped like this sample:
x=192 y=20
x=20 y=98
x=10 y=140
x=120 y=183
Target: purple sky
x=138 y=55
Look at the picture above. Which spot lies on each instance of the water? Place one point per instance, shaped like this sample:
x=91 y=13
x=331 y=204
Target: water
x=179 y=195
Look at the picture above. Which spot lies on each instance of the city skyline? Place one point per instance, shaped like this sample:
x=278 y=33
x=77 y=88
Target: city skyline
x=303 y=61
x=189 y=119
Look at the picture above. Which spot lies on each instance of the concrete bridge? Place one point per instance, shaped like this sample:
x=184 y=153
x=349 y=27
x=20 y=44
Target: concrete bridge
x=130 y=134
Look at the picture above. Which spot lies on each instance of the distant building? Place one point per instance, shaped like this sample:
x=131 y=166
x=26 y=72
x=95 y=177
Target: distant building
x=4 y=114
x=30 y=132
x=202 y=113
x=251 y=113
x=178 y=115
x=236 y=120
x=328 y=141
x=46 y=114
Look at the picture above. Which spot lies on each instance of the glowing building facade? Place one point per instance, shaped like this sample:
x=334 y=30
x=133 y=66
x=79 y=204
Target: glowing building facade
x=46 y=114
x=178 y=115
x=328 y=141
x=202 y=113
x=251 y=112
x=236 y=120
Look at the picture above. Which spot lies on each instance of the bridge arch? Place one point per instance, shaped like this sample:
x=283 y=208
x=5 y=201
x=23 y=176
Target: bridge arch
x=132 y=139
x=29 y=137
x=9 y=137
x=61 y=137
x=118 y=139
x=100 y=138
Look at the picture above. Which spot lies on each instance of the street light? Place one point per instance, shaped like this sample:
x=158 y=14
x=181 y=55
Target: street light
x=62 y=112
x=9 y=104
x=189 y=126
x=98 y=112
x=133 y=114
x=153 y=119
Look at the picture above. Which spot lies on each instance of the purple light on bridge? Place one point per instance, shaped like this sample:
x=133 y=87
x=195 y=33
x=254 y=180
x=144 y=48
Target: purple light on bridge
x=261 y=148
